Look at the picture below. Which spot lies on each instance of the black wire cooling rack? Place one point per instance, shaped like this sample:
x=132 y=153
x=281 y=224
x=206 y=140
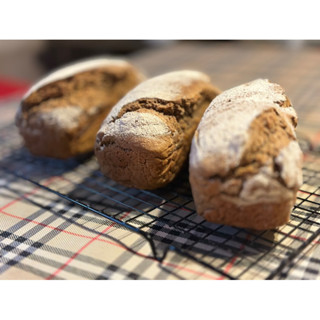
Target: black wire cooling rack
x=167 y=219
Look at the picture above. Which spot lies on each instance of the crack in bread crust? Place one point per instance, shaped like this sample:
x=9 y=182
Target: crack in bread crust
x=162 y=164
x=153 y=159
x=268 y=134
x=176 y=109
x=248 y=176
x=100 y=77
x=47 y=125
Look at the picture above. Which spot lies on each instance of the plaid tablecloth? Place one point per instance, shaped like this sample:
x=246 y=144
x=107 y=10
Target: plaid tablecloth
x=43 y=235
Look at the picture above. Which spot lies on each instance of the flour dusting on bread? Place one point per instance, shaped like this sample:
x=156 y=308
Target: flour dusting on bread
x=245 y=161
x=222 y=133
x=168 y=87
x=60 y=115
x=146 y=137
x=72 y=69
x=138 y=124
x=63 y=117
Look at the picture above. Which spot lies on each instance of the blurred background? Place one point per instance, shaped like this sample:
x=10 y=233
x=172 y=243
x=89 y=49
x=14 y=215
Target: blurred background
x=27 y=60
x=294 y=64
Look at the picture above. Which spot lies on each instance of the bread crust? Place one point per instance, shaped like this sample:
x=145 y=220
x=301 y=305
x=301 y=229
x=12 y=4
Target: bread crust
x=249 y=176
x=146 y=138
x=262 y=216
x=60 y=115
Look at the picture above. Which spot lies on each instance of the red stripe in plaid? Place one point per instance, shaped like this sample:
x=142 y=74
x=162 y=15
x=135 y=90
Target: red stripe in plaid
x=202 y=274
x=112 y=243
x=82 y=248
x=47 y=182
x=233 y=260
x=28 y=194
x=301 y=238
x=57 y=229
x=231 y=263
x=306 y=192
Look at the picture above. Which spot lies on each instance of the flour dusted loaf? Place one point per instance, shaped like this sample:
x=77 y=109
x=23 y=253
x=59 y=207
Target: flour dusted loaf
x=245 y=161
x=146 y=138
x=60 y=115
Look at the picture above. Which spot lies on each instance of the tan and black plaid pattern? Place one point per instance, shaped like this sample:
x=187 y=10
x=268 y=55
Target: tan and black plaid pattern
x=44 y=235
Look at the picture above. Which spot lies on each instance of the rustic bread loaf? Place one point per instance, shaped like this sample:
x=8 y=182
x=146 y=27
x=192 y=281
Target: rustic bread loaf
x=146 y=138
x=245 y=161
x=60 y=115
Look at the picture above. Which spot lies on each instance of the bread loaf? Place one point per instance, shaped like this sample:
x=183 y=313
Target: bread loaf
x=60 y=115
x=245 y=161
x=146 y=138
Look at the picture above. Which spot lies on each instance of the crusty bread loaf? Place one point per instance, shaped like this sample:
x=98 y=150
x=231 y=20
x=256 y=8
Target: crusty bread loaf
x=245 y=161
x=60 y=115
x=146 y=138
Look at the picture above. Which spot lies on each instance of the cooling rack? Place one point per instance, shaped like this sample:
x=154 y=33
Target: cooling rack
x=167 y=219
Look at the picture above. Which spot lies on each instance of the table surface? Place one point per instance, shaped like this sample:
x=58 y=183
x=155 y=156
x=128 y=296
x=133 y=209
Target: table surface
x=45 y=236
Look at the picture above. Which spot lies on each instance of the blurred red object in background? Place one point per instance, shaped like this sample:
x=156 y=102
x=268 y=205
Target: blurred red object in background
x=10 y=87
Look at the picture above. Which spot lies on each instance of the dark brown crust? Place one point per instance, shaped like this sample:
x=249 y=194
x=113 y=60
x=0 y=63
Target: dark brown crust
x=94 y=91
x=150 y=163
x=262 y=216
x=142 y=162
x=215 y=206
x=81 y=82
x=268 y=134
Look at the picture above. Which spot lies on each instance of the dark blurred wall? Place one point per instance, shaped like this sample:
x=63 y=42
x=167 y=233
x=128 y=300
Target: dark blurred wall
x=19 y=59
x=59 y=52
x=28 y=60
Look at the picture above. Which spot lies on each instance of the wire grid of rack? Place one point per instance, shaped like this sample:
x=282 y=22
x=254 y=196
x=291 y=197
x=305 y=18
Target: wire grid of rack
x=167 y=219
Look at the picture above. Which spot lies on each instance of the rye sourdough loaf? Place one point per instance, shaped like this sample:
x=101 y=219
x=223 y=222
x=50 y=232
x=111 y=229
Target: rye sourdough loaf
x=60 y=115
x=245 y=161
x=146 y=138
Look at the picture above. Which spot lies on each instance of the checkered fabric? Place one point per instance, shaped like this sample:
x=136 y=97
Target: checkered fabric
x=64 y=220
